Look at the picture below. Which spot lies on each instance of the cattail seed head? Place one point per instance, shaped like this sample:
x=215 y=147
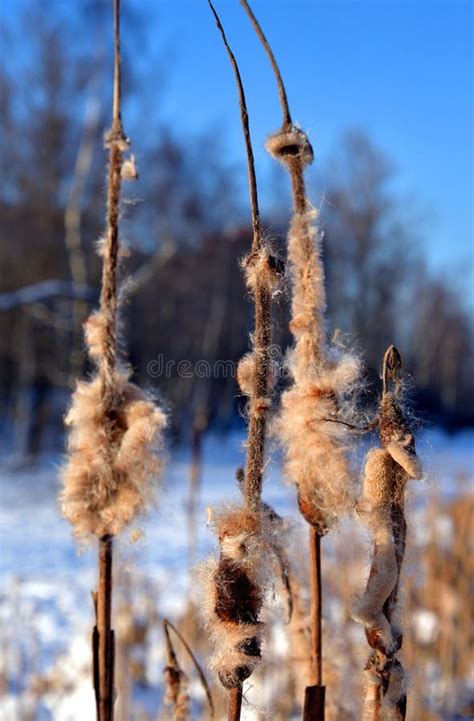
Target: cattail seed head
x=114 y=447
x=290 y=143
x=324 y=381
x=95 y=331
x=315 y=442
x=263 y=269
x=115 y=137
x=246 y=373
x=108 y=478
x=129 y=169
x=386 y=473
x=235 y=587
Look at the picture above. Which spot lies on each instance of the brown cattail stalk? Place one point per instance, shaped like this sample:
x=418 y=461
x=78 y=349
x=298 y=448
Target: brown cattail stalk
x=261 y=275
x=237 y=582
x=114 y=427
x=387 y=471
x=314 y=444
x=108 y=306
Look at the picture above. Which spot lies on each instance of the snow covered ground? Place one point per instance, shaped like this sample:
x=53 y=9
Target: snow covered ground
x=45 y=607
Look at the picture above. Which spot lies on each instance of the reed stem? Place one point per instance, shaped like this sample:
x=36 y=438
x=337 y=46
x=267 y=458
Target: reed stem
x=313 y=709
x=235 y=703
x=262 y=296
x=104 y=655
x=104 y=652
x=315 y=580
x=276 y=70
x=314 y=694
x=252 y=485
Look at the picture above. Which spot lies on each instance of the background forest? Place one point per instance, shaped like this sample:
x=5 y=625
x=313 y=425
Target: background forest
x=187 y=224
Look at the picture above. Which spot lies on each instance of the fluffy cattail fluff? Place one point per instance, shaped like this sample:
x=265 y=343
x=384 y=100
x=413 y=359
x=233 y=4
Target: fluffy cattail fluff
x=324 y=376
x=114 y=427
x=113 y=458
x=386 y=473
x=262 y=270
x=235 y=588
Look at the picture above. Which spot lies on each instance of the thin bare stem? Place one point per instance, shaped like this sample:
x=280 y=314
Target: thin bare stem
x=313 y=709
x=105 y=660
x=259 y=279
x=281 y=86
x=252 y=486
x=235 y=703
x=314 y=698
x=257 y=231
x=168 y=625
x=315 y=612
x=116 y=112
x=104 y=643
x=361 y=429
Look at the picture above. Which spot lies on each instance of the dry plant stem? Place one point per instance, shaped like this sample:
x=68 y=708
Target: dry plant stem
x=260 y=275
x=313 y=709
x=168 y=625
x=387 y=471
x=314 y=700
x=252 y=485
x=316 y=631
x=114 y=426
x=104 y=676
x=108 y=305
x=314 y=697
x=281 y=87
x=257 y=422
x=235 y=703
x=298 y=188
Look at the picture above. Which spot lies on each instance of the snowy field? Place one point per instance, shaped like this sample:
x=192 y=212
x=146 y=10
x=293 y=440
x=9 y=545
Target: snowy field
x=45 y=606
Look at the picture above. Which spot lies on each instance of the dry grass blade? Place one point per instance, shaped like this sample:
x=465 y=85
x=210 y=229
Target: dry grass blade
x=172 y=660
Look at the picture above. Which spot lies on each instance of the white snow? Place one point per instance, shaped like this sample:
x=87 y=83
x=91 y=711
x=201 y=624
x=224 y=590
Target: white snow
x=45 y=604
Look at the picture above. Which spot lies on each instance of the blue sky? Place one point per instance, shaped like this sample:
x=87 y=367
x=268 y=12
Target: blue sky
x=402 y=70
